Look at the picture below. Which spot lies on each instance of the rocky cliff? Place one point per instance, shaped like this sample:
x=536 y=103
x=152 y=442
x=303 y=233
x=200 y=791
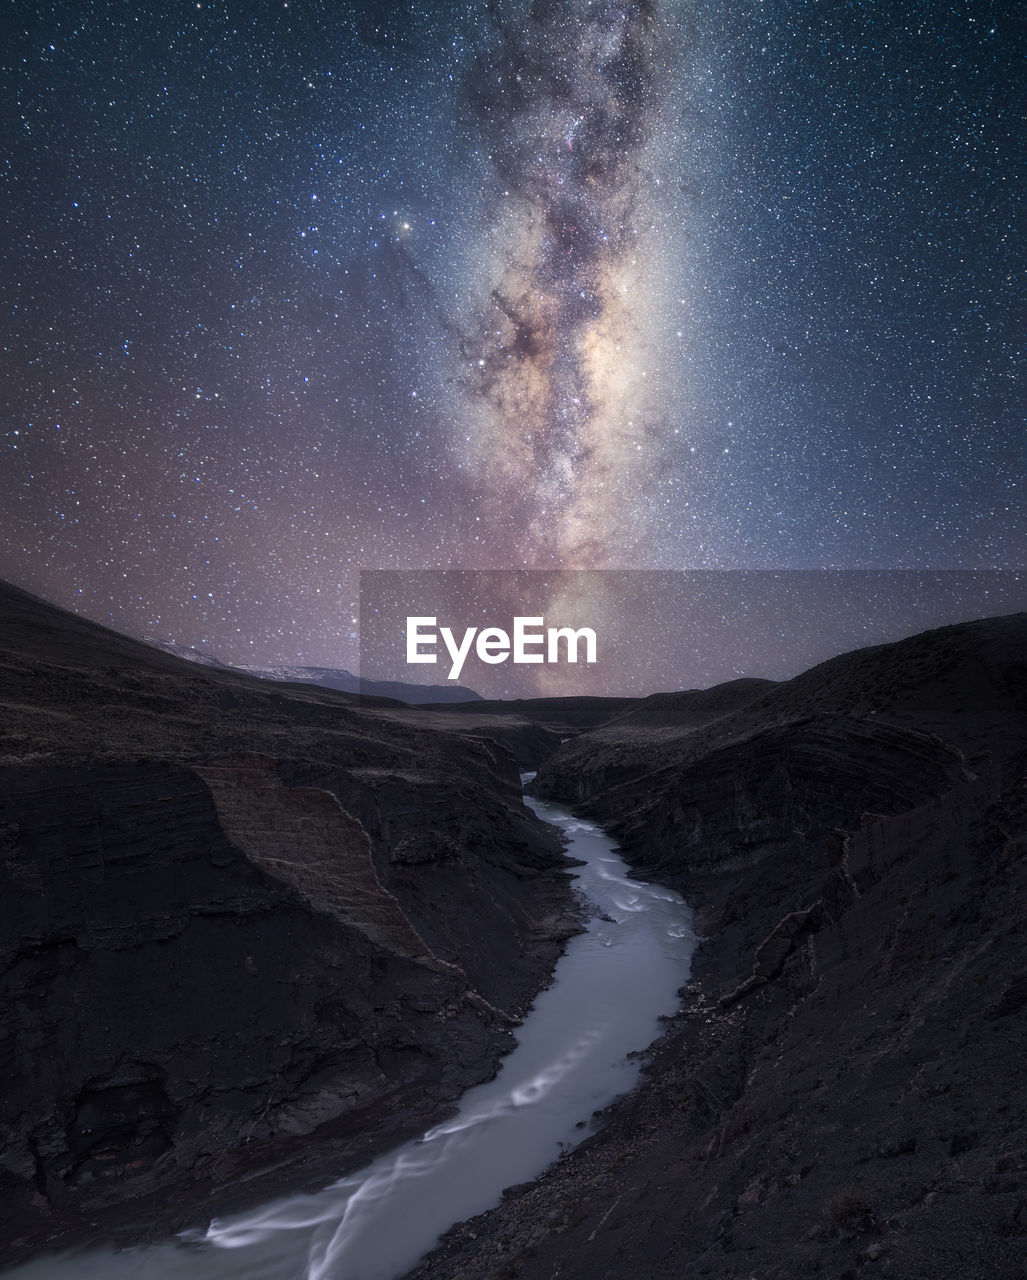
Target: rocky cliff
x=251 y=933
x=843 y=1091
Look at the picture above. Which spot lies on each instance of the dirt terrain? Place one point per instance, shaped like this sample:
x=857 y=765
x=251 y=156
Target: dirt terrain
x=254 y=933
x=251 y=932
x=843 y=1092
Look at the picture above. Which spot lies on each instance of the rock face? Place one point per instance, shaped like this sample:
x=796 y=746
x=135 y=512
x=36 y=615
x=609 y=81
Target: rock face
x=843 y=1091
x=252 y=934
x=303 y=836
x=777 y=792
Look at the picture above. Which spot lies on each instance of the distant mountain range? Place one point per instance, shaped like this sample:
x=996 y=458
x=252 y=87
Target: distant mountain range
x=332 y=678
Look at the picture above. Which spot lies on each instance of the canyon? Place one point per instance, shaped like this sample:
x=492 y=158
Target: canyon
x=256 y=934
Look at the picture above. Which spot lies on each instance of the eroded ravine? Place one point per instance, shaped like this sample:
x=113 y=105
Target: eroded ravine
x=608 y=992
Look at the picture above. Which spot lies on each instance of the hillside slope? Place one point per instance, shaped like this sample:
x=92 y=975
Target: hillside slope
x=247 y=929
x=843 y=1091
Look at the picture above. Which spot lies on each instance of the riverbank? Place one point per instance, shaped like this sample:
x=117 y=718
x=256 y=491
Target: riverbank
x=843 y=1093
x=251 y=935
x=576 y=1050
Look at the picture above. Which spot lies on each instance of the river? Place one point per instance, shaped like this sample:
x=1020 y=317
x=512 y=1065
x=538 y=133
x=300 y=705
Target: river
x=609 y=989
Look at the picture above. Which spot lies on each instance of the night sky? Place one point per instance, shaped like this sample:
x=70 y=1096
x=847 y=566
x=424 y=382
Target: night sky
x=293 y=290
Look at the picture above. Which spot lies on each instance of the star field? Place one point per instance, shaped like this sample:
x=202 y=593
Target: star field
x=295 y=290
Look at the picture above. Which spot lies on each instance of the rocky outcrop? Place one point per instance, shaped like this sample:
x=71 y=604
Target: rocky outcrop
x=304 y=837
x=470 y=865
x=775 y=793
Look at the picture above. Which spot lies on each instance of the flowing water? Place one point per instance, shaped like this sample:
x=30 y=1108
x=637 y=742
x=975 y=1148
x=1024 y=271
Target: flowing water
x=570 y=1059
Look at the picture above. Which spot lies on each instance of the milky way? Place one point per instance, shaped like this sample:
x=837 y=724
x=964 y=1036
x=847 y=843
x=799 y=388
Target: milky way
x=568 y=95
x=295 y=290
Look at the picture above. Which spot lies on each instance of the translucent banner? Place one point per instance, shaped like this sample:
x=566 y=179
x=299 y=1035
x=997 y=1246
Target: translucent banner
x=536 y=633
